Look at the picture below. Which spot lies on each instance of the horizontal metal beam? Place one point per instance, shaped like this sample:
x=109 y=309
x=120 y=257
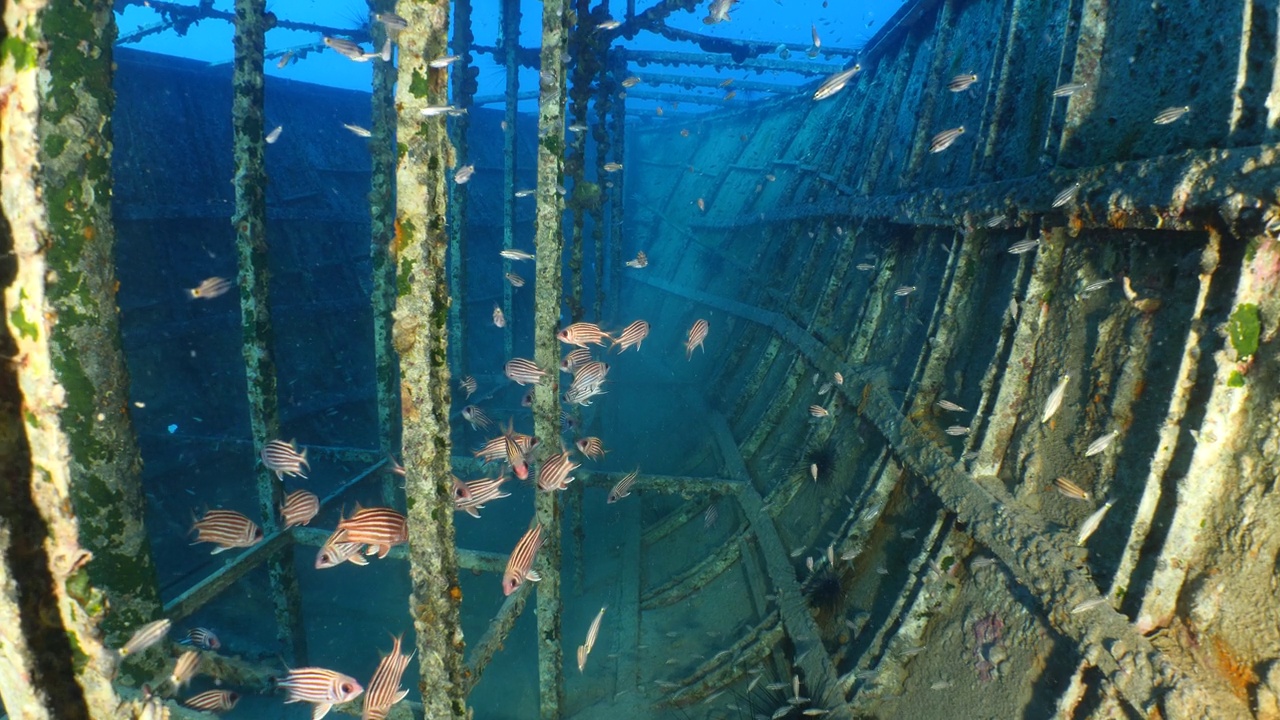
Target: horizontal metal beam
x=1171 y=192
x=690 y=82
x=662 y=57
x=750 y=48
x=676 y=98
x=478 y=560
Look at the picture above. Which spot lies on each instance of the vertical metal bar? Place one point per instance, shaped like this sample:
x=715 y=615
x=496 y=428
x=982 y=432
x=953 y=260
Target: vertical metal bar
x=249 y=220
x=549 y=242
x=421 y=338
x=510 y=49
x=619 y=71
x=464 y=88
x=383 y=235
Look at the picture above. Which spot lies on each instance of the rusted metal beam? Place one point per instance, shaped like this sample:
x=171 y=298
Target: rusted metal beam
x=690 y=81
x=720 y=60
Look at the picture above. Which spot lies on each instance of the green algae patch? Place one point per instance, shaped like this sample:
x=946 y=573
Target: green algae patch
x=1243 y=328
x=26 y=328
x=1235 y=379
x=22 y=53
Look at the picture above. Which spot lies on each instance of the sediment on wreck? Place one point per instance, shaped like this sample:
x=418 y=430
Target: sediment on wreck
x=420 y=336
x=249 y=222
x=84 y=340
x=54 y=664
x=548 y=289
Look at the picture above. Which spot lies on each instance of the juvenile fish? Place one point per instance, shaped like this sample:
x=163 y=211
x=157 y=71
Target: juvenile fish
x=274 y=135
x=585 y=649
x=609 y=25
x=213 y=701
x=630 y=81
x=1069 y=89
x=184 y=669
x=1068 y=489
x=612 y=166
x=524 y=193
x=960 y=83
x=1066 y=196
x=1055 y=398
x=1101 y=444
x=444 y=61
x=283 y=458
x=476 y=417
x=515 y=280
x=865 y=266
x=641 y=261
x=904 y=290
x=709 y=518
x=1088 y=605
x=146 y=636
x=718 y=12
x=357 y=130
x=202 y=638
x=813 y=32
x=818 y=411
x=463 y=174
x=210 y=288
x=997 y=221
x=633 y=335
x=1092 y=522
x=436 y=110
x=623 y=488
x=1096 y=285
x=469 y=384
x=1171 y=115
x=591 y=447
x=948 y=405
x=835 y=83
x=346 y=48
x=1024 y=246
x=499 y=319
x=520 y=564
x=391 y=21
x=957 y=430
x=944 y=139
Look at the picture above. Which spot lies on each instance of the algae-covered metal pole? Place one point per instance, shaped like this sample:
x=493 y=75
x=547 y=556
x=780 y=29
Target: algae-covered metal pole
x=549 y=245
x=57 y=286
x=464 y=88
x=511 y=61
x=249 y=221
x=105 y=465
x=600 y=232
x=421 y=338
x=382 y=232
x=618 y=132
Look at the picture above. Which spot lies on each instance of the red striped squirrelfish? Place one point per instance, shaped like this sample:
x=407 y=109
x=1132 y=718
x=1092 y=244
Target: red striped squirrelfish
x=520 y=564
x=320 y=687
x=378 y=527
x=384 y=687
x=227 y=529
x=697 y=334
x=299 y=508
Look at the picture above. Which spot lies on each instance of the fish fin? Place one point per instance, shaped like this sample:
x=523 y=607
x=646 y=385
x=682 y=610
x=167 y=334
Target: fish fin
x=532 y=575
x=383 y=550
x=471 y=511
x=219 y=549
x=357 y=560
x=399 y=696
x=371 y=549
x=320 y=710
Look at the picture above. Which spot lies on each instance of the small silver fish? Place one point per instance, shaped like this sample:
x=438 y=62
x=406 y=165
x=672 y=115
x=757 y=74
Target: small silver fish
x=357 y=130
x=1069 y=89
x=391 y=21
x=1066 y=196
x=948 y=405
x=630 y=81
x=957 y=430
x=515 y=280
x=997 y=221
x=1024 y=246
x=1092 y=522
x=516 y=255
x=444 y=61
x=274 y=135
x=904 y=290
x=577 y=128
x=813 y=32
x=1055 y=398
x=463 y=174
x=524 y=193
x=146 y=636
x=436 y=110
x=1171 y=115
x=1089 y=605
x=609 y=25
x=185 y=668
x=1101 y=444
x=835 y=83
x=960 y=83
x=865 y=267
x=499 y=319
x=641 y=261
x=944 y=139
x=346 y=48
x=1096 y=285
x=710 y=517
x=612 y=166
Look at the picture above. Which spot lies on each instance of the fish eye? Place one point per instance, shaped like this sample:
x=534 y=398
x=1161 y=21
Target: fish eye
x=346 y=688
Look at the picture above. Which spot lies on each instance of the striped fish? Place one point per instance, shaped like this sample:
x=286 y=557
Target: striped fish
x=524 y=372
x=299 y=508
x=476 y=417
x=904 y=290
x=590 y=373
x=515 y=280
x=520 y=564
x=320 y=687
x=499 y=319
x=575 y=359
x=835 y=83
x=514 y=453
x=213 y=700
x=697 y=334
x=1067 y=195
x=591 y=447
x=378 y=527
x=634 y=334
x=468 y=383
x=945 y=139
x=146 y=636
x=583 y=334
x=202 y=638
x=334 y=553
x=184 y=669
x=581 y=394
x=384 y=688
x=283 y=458
x=960 y=83
x=227 y=529
x=641 y=261
x=554 y=473
x=480 y=492
x=585 y=649
x=818 y=411
x=623 y=488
